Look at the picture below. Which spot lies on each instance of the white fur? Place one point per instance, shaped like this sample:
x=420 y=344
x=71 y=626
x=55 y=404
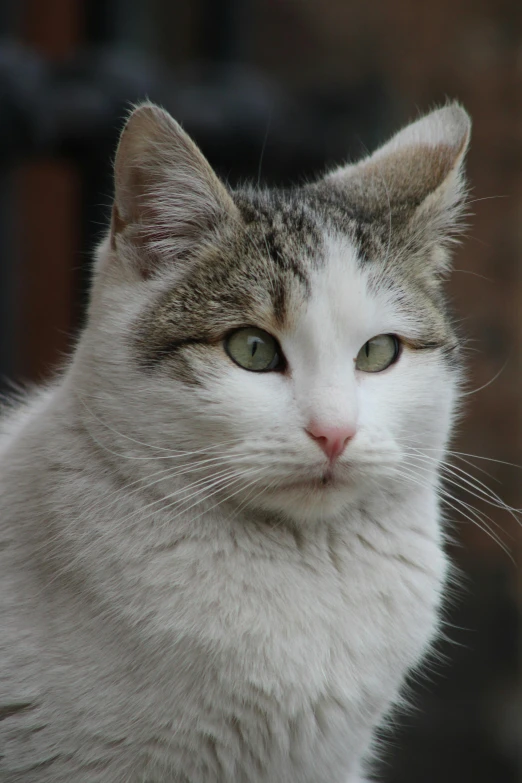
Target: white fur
x=183 y=600
x=218 y=619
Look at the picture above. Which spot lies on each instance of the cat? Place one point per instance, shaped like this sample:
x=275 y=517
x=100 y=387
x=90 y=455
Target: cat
x=221 y=548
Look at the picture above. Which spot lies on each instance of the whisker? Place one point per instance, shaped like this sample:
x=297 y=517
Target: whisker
x=481 y=490
x=485 y=385
x=241 y=489
x=171 y=456
x=476 y=456
x=474 y=511
x=168 y=474
x=148 y=445
x=450 y=500
x=249 y=499
x=207 y=496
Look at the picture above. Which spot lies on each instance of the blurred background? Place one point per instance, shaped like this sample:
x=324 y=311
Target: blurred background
x=276 y=90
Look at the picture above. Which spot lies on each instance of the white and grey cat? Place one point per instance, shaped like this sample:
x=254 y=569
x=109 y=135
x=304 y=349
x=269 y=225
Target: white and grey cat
x=220 y=536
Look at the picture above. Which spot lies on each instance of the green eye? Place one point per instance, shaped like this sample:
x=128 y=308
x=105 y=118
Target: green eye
x=378 y=353
x=253 y=349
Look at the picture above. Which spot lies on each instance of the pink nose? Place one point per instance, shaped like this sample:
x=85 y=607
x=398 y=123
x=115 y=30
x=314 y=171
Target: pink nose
x=332 y=440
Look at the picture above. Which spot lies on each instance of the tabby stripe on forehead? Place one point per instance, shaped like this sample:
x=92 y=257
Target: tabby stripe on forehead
x=284 y=261
x=363 y=241
x=279 y=300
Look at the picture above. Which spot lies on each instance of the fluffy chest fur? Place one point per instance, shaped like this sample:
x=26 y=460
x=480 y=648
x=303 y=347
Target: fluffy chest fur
x=234 y=653
x=282 y=625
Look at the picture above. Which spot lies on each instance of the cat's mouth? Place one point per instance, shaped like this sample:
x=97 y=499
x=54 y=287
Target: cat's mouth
x=326 y=481
x=327 y=478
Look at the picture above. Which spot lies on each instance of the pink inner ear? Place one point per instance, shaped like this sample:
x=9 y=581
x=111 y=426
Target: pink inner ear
x=140 y=236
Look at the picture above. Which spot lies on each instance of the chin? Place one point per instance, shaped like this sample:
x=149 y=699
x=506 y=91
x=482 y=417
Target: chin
x=314 y=501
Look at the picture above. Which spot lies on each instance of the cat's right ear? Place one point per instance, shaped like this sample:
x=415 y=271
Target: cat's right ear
x=168 y=202
x=415 y=183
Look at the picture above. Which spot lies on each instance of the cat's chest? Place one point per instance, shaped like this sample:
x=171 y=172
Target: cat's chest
x=305 y=619
x=296 y=658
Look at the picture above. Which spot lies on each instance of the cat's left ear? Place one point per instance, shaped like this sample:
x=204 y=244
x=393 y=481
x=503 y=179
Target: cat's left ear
x=168 y=202
x=415 y=183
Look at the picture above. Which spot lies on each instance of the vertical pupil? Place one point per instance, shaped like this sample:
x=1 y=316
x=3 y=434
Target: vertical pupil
x=367 y=348
x=254 y=345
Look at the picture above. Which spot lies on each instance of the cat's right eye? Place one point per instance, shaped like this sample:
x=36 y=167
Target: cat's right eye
x=254 y=349
x=378 y=353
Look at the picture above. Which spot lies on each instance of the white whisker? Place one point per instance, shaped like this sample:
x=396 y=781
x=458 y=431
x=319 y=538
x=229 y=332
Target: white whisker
x=450 y=500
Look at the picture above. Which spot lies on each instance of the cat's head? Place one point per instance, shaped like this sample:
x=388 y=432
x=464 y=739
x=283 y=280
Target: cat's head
x=285 y=349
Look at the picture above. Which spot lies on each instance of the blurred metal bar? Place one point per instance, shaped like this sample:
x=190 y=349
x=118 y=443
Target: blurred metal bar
x=48 y=196
x=8 y=16
x=8 y=287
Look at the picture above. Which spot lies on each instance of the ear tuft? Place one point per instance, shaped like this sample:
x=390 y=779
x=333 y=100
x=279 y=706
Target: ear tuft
x=447 y=127
x=168 y=201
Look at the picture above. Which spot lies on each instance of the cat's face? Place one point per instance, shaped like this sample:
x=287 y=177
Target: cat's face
x=288 y=350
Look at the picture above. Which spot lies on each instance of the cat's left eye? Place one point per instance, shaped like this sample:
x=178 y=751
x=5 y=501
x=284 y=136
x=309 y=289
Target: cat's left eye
x=378 y=353
x=254 y=349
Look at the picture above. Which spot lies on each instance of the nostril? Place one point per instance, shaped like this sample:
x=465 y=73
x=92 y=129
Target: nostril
x=332 y=440
x=321 y=441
